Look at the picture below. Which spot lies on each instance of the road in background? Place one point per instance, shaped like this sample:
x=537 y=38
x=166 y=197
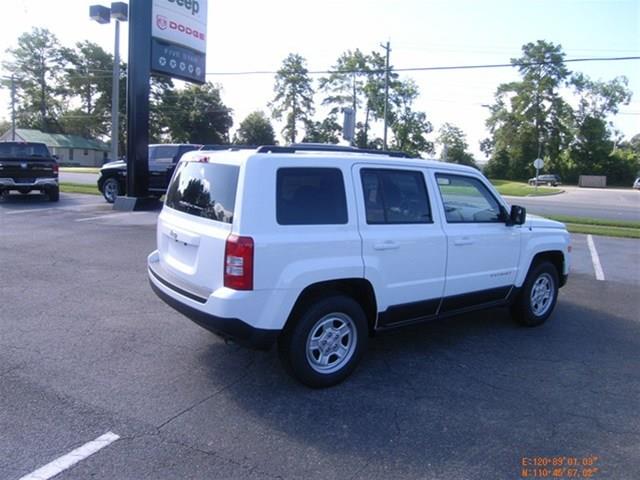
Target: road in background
x=610 y=203
x=83 y=178
x=86 y=348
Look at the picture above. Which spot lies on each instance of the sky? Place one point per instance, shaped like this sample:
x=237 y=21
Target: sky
x=248 y=35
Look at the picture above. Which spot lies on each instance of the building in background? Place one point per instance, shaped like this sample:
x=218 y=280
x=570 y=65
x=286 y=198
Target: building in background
x=70 y=149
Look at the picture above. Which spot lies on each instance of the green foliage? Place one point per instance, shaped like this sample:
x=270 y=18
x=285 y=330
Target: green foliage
x=454 y=142
x=294 y=95
x=256 y=129
x=530 y=120
x=89 y=78
x=408 y=126
x=38 y=64
x=326 y=131
x=195 y=114
x=357 y=81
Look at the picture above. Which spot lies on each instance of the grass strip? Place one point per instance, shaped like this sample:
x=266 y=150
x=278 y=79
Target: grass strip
x=594 y=221
x=520 y=189
x=602 y=230
x=68 y=187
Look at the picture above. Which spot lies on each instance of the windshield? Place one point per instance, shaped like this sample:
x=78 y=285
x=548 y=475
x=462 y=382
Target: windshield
x=24 y=150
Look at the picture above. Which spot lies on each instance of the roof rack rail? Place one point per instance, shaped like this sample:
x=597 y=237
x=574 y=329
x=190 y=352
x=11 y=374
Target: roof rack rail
x=314 y=147
x=230 y=147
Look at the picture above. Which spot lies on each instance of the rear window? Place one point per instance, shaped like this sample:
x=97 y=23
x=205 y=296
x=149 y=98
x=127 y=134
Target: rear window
x=206 y=190
x=310 y=196
x=24 y=150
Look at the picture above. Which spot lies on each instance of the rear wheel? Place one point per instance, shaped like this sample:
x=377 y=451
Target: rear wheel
x=110 y=189
x=326 y=342
x=53 y=194
x=538 y=296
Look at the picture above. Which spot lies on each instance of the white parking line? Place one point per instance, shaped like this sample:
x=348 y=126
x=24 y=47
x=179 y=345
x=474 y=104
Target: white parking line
x=595 y=259
x=65 y=209
x=70 y=459
x=108 y=215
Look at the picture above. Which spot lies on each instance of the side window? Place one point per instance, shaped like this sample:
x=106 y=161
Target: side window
x=395 y=196
x=467 y=200
x=162 y=154
x=310 y=196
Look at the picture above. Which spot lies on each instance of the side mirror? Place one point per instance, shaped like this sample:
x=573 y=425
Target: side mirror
x=517 y=216
x=55 y=157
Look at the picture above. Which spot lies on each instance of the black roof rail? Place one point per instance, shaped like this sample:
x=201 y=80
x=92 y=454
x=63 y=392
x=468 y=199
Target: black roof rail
x=301 y=147
x=231 y=147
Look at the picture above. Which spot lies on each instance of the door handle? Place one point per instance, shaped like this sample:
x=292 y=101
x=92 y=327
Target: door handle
x=386 y=245
x=463 y=241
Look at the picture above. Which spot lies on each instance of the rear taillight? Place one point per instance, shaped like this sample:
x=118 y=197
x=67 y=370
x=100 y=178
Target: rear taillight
x=55 y=168
x=238 y=263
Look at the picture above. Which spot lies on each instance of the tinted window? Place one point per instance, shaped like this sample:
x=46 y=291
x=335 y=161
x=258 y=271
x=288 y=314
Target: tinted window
x=23 y=150
x=162 y=154
x=310 y=196
x=205 y=190
x=395 y=196
x=467 y=200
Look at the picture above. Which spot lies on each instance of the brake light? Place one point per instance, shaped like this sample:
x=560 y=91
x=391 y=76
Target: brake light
x=238 y=263
x=55 y=168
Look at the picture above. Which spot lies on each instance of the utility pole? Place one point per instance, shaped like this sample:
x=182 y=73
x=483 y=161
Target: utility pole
x=387 y=47
x=13 y=108
x=115 y=100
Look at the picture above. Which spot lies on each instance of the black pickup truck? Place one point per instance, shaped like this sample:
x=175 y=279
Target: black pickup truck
x=162 y=162
x=26 y=166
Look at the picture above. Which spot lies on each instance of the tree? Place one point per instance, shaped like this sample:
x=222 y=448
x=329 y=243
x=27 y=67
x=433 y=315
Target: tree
x=89 y=78
x=326 y=131
x=294 y=95
x=408 y=126
x=529 y=118
x=357 y=81
x=195 y=114
x=38 y=64
x=255 y=129
x=454 y=142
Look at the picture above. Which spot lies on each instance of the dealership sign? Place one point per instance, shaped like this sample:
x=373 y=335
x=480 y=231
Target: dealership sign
x=179 y=38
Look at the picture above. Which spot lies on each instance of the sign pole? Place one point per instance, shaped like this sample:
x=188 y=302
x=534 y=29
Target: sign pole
x=138 y=91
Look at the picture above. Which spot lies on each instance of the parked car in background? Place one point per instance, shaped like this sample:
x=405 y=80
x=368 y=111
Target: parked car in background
x=636 y=184
x=28 y=166
x=316 y=250
x=551 y=180
x=162 y=162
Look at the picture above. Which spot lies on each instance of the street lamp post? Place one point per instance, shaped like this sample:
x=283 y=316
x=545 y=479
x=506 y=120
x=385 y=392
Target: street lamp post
x=101 y=14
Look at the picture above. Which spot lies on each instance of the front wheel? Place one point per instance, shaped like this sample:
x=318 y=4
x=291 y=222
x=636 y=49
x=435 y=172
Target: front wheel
x=110 y=189
x=326 y=342
x=538 y=296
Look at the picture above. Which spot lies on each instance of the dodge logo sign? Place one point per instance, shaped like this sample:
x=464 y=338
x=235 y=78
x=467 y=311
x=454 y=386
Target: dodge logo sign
x=162 y=22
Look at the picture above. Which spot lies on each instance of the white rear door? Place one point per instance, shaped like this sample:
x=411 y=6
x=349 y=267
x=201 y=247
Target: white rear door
x=403 y=245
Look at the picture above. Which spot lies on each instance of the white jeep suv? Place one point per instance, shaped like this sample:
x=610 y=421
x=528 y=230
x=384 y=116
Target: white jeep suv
x=317 y=250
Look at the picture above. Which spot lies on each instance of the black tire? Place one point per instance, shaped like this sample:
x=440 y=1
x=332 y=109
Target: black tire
x=53 y=194
x=342 y=326
x=111 y=189
x=530 y=312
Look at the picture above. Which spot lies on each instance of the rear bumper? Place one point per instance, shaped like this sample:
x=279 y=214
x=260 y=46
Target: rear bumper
x=10 y=183
x=232 y=329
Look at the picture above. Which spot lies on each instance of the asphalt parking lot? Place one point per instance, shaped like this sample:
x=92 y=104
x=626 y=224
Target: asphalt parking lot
x=86 y=348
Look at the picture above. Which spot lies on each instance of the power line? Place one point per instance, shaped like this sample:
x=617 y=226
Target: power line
x=426 y=69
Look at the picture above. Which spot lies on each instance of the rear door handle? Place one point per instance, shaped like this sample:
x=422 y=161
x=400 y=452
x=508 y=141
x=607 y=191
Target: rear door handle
x=463 y=241
x=386 y=245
